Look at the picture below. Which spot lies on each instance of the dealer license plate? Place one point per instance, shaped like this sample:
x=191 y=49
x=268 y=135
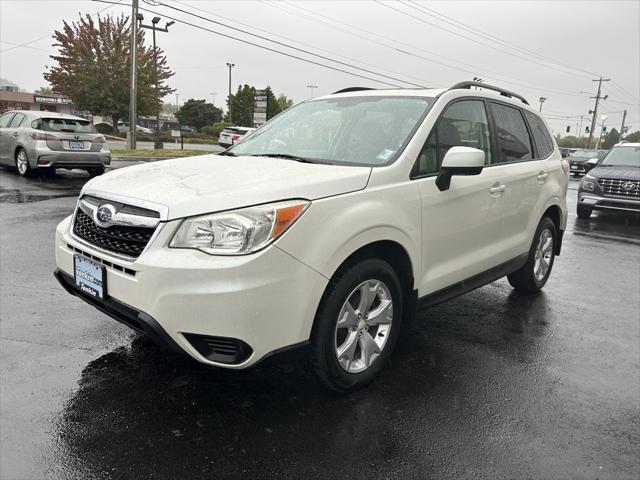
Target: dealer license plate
x=89 y=277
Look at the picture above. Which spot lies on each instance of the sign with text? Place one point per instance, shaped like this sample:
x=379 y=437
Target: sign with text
x=259 y=108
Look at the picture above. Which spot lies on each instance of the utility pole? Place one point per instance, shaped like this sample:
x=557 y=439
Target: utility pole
x=133 y=91
x=312 y=88
x=624 y=117
x=595 y=109
x=154 y=27
x=542 y=100
x=230 y=65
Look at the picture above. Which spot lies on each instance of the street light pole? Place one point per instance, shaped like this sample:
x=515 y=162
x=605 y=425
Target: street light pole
x=131 y=142
x=542 y=100
x=230 y=65
x=154 y=27
x=312 y=88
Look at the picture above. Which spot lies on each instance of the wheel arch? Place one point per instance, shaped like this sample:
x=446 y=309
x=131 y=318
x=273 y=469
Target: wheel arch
x=555 y=214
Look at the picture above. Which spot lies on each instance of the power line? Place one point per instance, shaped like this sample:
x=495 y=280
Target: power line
x=26 y=44
x=307 y=52
x=295 y=10
x=471 y=39
x=444 y=18
x=296 y=41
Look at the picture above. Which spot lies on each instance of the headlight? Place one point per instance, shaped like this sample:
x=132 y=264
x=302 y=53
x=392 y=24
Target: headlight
x=238 y=232
x=586 y=185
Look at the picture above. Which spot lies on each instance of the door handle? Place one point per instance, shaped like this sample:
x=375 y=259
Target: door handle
x=15 y=134
x=542 y=177
x=497 y=189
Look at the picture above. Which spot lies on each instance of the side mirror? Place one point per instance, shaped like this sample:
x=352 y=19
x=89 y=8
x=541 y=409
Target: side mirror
x=459 y=161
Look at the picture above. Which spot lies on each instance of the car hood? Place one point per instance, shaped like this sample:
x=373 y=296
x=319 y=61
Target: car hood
x=616 y=173
x=579 y=159
x=210 y=183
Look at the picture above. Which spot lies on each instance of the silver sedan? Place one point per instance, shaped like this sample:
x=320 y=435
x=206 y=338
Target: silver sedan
x=31 y=140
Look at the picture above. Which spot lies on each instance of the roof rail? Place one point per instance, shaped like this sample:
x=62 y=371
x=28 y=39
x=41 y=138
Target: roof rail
x=353 y=89
x=501 y=91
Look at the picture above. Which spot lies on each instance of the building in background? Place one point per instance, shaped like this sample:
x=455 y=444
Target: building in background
x=11 y=98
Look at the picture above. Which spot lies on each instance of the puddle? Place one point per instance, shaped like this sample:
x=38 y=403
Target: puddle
x=17 y=196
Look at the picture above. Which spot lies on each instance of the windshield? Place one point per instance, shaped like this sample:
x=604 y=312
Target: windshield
x=67 y=125
x=622 y=157
x=586 y=154
x=343 y=131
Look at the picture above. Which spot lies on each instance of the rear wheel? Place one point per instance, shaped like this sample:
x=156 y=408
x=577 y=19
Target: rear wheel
x=583 y=212
x=357 y=325
x=535 y=273
x=22 y=163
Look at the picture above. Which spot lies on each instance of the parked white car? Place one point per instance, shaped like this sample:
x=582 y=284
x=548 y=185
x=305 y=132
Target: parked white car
x=322 y=230
x=232 y=135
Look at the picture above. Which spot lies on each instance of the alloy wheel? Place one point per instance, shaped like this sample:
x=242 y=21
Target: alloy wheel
x=22 y=162
x=543 y=255
x=363 y=326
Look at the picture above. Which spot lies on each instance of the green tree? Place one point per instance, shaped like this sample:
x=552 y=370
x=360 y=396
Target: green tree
x=610 y=139
x=633 y=137
x=92 y=67
x=242 y=106
x=44 y=91
x=198 y=113
x=571 y=141
x=284 y=102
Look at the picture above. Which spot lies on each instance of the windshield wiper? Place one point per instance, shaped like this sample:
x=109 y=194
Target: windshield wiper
x=228 y=154
x=288 y=156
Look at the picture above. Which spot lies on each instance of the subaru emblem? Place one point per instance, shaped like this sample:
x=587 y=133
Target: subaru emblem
x=105 y=214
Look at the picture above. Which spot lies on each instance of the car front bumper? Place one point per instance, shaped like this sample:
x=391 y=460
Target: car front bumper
x=258 y=304
x=598 y=202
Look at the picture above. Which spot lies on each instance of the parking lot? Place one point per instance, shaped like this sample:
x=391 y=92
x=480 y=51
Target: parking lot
x=493 y=384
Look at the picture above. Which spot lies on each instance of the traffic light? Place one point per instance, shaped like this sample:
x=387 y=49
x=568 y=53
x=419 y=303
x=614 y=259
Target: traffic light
x=568 y=128
x=586 y=130
x=604 y=130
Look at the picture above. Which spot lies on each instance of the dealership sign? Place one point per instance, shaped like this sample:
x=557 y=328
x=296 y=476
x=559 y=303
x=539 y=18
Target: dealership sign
x=52 y=100
x=259 y=108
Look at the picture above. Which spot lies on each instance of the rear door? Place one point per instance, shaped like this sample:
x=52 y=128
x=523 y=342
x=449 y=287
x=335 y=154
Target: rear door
x=524 y=175
x=5 y=139
x=461 y=226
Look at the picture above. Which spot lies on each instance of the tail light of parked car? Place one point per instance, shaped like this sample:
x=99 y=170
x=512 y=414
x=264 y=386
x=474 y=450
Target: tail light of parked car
x=99 y=139
x=565 y=167
x=44 y=136
x=234 y=138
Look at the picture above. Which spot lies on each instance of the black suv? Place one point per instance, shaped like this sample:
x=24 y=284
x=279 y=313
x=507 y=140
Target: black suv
x=581 y=161
x=614 y=183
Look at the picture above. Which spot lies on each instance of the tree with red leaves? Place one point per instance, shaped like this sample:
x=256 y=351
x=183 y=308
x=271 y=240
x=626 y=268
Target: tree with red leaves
x=93 y=67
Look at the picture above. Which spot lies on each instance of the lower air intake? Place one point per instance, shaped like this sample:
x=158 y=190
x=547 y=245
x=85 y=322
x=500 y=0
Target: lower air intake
x=220 y=349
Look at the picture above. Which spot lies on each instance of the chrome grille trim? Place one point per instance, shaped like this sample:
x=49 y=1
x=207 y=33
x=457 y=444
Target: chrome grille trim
x=612 y=186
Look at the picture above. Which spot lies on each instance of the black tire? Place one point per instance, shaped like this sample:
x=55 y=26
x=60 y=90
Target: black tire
x=524 y=279
x=584 y=212
x=95 y=171
x=324 y=360
x=24 y=169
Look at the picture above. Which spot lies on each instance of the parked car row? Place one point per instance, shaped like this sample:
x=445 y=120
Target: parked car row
x=34 y=140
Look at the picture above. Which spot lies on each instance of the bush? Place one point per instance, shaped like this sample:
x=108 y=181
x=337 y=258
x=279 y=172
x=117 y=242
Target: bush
x=215 y=129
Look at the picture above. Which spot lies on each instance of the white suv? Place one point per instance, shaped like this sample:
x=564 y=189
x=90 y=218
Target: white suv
x=323 y=229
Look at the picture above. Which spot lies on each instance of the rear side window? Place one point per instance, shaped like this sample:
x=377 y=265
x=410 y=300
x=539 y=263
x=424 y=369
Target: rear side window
x=463 y=124
x=514 y=142
x=67 y=125
x=5 y=119
x=544 y=143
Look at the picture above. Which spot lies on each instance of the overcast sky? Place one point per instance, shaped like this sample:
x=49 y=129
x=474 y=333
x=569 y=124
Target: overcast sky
x=584 y=38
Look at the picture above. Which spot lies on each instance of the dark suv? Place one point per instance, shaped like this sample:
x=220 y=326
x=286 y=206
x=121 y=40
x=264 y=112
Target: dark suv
x=614 y=184
x=581 y=161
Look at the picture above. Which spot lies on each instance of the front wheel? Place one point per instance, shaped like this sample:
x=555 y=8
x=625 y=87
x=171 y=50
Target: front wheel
x=535 y=272
x=357 y=325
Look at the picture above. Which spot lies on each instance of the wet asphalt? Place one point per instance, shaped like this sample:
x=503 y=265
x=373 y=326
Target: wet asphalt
x=493 y=384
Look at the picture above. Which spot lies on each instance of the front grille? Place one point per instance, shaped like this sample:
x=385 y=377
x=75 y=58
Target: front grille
x=620 y=188
x=129 y=241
